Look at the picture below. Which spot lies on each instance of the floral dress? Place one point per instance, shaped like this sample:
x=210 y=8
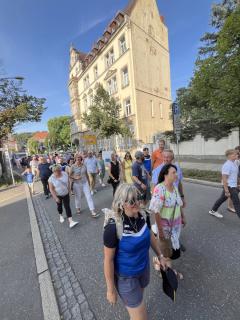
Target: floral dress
x=163 y=203
x=128 y=171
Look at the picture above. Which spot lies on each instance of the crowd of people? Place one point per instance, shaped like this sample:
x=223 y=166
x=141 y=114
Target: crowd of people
x=147 y=210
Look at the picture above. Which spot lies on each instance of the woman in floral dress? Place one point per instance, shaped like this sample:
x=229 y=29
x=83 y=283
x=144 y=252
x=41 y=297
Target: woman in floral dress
x=166 y=203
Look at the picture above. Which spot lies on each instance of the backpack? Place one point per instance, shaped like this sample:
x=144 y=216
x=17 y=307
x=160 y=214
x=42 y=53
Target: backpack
x=109 y=214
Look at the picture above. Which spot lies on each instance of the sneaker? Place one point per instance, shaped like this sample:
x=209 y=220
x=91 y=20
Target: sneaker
x=94 y=214
x=72 y=224
x=46 y=197
x=61 y=219
x=92 y=193
x=216 y=214
x=103 y=185
x=95 y=191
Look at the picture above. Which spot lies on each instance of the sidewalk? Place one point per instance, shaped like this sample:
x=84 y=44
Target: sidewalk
x=20 y=295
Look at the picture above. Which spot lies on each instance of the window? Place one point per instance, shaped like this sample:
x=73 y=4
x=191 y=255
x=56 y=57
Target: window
x=112 y=86
x=127 y=104
x=125 y=78
x=95 y=70
x=86 y=82
x=161 y=110
x=109 y=58
x=122 y=44
x=152 y=108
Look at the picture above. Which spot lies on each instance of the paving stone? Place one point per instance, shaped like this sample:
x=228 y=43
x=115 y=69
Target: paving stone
x=72 y=302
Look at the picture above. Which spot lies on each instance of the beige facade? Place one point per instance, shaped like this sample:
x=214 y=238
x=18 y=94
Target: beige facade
x=131 y=61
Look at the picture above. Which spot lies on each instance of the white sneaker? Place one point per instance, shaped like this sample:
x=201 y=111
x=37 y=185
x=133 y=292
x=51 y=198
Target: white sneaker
x=92 y=193
x=94 y=214
x=216 y=214
x=72 y=224
x=61 y=219
x=103 y=185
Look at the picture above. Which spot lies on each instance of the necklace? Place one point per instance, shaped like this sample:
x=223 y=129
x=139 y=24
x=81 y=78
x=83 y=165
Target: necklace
x=133 y=225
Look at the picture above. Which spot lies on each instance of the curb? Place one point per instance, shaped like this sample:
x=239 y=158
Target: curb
x=49 y=302
x=203 y=182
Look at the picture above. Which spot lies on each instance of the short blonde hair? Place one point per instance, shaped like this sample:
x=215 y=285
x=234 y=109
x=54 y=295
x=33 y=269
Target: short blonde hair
x=124 y=192
x=56 y=167
x=230 y=152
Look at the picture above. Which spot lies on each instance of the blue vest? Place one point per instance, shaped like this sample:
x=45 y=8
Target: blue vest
x=132 y=256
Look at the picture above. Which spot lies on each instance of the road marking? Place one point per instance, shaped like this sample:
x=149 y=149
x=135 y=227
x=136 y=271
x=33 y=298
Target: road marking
x=12 y=196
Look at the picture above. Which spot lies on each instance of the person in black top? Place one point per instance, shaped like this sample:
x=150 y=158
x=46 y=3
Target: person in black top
x=114 y=172
x=44 y=172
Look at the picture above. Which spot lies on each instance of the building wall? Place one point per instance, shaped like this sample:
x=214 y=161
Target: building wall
x=151 y=69
x=147 y=59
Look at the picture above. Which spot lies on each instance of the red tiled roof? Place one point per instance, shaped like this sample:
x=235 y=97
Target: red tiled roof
x=41 y=135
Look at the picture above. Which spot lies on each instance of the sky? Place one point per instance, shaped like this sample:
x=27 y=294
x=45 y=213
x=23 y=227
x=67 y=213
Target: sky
x=35 y=37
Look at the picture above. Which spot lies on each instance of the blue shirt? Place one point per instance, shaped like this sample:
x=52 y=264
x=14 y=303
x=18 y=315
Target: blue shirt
x=148 y=164
x=157 y=171
x=29 y=177
x=139 y=171
x=91 y=164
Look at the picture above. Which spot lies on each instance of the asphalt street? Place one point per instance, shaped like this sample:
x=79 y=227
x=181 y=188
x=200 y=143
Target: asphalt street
x=20 y=295
x=211 y=264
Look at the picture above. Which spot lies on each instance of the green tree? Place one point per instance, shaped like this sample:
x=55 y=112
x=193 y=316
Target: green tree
x=16 y=107
x=210 y=104
x=22 y=138
x=59 y=132
x=103 y=117
x=33 y=146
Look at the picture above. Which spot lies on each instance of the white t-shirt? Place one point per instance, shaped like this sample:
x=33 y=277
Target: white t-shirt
x=230 y=168
x=60 y=184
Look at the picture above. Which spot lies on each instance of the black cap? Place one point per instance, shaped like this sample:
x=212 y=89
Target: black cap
x=170 y=283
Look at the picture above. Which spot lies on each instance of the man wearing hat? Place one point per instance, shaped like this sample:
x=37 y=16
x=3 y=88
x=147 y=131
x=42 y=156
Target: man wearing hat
x=140 y=176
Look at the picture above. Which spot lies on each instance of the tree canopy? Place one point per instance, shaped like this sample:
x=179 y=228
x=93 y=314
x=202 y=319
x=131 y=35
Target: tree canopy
x=103 y=116
x=16 y=106
x=59 y=132
x=210 y=104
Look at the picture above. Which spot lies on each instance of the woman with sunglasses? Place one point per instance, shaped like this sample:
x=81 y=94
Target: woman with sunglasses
x=126 y=255
x=127 y=168
x=79 y=176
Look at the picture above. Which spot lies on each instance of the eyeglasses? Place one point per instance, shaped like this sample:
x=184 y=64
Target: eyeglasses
x=132 y=202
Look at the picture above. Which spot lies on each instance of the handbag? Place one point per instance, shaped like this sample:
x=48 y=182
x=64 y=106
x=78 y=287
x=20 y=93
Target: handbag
x=166 y=244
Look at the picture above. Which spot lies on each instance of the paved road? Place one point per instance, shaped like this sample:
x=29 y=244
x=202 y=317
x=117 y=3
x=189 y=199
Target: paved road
x=210 y=290
x=20 y=295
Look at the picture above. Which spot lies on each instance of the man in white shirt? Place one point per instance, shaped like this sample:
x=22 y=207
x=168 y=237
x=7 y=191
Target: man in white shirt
x=230 y=181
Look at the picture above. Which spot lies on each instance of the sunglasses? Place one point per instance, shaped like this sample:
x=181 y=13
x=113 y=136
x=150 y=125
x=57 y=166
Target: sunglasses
x=132 y=202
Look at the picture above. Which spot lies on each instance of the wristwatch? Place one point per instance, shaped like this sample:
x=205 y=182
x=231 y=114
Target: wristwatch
x=161 y=256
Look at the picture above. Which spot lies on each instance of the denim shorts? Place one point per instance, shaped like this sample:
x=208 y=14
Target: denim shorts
x=130 y=289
